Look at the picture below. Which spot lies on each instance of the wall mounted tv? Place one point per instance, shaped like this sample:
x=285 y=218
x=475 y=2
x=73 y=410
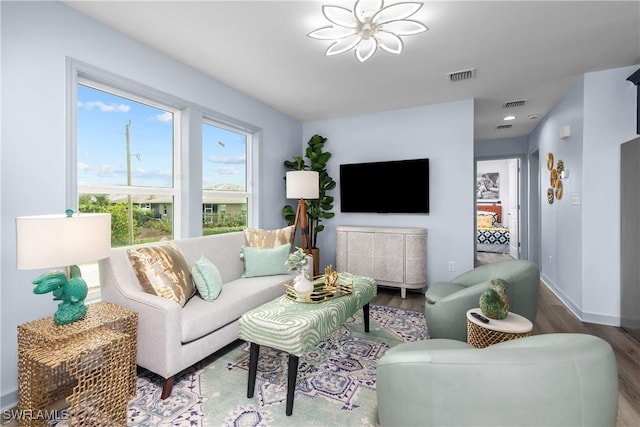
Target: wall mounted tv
x=400 y=186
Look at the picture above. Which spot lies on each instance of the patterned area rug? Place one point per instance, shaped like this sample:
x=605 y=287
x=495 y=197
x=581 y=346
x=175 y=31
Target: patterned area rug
x=335 y=386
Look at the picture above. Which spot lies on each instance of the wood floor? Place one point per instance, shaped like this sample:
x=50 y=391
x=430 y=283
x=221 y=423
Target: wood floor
x=553 y=316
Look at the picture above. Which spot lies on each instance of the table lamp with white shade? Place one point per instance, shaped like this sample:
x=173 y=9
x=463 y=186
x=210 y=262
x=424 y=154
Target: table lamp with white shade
x=303 y=185
x=51 y=241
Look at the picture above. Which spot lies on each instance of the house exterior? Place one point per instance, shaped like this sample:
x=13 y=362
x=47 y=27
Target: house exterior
x=212 y=206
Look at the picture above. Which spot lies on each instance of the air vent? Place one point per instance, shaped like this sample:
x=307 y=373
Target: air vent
x=458 y=76
x=503 y=126
x=514 y=104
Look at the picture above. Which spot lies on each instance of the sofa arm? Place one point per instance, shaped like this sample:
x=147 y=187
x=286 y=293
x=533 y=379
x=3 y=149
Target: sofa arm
x=159 y=319
x=552 y=379
x=479 y=274
x=446 y=317
x=405 y=382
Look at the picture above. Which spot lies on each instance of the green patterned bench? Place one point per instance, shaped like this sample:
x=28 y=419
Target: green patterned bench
x=297 y=327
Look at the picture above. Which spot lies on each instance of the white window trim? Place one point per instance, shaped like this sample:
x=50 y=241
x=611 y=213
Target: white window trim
x=249 y=150
x=81 y=73
x=184 y=152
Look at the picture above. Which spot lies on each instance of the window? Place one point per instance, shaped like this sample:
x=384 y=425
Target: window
x=125 y=163
x=130 y=155
x=125 y=166
x=224 y=179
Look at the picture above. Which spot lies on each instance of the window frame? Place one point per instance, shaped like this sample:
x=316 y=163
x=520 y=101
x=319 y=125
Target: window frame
x=187 y=149
x=240 y=195
x=188 y=219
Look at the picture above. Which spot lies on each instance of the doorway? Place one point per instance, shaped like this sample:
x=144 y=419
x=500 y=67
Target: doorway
x=630 y=237
x=497 y=201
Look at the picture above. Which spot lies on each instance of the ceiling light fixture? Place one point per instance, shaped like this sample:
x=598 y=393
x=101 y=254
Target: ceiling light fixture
x=507 y=118
x=368 y=27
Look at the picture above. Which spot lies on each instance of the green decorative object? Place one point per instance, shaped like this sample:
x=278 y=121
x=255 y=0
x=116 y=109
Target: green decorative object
x=297 y=260
x=71 y=291
x=493 y=301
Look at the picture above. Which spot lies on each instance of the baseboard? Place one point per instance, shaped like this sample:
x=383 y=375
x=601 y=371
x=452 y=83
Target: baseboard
x=573 y=308
x=601 y=319
x=9 y=400
x=581 y=315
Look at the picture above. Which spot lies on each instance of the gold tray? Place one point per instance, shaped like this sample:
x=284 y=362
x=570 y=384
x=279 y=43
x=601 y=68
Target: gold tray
x=322 y=292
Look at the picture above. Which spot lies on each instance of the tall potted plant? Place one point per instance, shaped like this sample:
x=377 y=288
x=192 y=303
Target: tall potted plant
x=321 y=208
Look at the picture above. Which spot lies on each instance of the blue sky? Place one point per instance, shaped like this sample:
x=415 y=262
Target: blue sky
x=102 y=159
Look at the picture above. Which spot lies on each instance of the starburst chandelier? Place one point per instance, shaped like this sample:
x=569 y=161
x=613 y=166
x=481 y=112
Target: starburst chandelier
x=371 y=25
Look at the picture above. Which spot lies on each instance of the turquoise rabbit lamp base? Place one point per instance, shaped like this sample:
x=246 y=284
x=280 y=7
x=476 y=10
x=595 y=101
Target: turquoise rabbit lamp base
x=69 y=288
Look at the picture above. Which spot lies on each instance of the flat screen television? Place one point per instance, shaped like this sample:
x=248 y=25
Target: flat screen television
x=399 y=186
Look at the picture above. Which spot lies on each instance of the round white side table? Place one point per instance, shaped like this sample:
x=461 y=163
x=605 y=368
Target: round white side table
x=480 y=334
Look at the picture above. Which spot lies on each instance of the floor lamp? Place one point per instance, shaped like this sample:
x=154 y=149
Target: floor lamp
x=303 y=185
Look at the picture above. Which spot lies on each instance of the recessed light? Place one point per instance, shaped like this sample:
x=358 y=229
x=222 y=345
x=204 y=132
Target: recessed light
x=507 y=118
x=533 y=116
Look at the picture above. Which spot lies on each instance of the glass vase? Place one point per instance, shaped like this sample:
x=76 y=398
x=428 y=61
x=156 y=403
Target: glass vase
x=302 y=283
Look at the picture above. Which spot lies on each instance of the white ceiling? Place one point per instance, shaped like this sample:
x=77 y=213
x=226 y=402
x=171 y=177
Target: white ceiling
x=522 y=50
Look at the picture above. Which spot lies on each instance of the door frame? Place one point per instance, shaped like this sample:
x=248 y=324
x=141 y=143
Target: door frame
x=523 y=202
x=534 y=207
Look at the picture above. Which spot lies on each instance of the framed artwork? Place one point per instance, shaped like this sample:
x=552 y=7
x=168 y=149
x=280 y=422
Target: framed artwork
x=488 y=186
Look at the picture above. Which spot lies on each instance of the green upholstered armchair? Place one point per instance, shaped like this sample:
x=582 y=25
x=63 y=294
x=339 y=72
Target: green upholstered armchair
x=447 y=302
x=541 y=380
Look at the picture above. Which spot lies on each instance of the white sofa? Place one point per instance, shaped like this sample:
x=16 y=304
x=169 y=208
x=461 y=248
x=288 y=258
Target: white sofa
x=172 y=338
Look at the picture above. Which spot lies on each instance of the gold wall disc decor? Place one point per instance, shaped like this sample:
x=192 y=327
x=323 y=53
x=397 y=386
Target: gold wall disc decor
x=559 y=190
x=555 y=179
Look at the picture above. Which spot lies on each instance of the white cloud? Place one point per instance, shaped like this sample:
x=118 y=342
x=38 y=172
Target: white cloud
x=107 y=170
x=237 y=160
x=228 y=171
x=105 y=108
x=164 y=117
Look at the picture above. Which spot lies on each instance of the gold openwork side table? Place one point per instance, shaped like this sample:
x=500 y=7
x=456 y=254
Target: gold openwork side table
x=91 y=363
x=480 y=334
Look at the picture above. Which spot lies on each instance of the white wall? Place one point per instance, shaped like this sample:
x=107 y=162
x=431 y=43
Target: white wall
x=504 y=147
x=580 y=234
x=444 y=134
x=561 y=230
x=37 y=38
x=609 y=121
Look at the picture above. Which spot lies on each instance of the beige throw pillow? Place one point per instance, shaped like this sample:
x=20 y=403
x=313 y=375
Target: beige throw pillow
x=259 y=238
x=162 y=270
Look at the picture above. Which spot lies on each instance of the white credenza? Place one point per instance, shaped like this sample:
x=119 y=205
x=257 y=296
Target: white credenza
x=393 y=256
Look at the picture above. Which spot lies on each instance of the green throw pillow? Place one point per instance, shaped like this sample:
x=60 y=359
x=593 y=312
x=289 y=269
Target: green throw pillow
x=207 y=279
x=266 y=261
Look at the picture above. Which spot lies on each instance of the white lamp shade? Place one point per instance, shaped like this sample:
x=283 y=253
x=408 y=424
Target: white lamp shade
x=47 y=241
x=303 y=185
